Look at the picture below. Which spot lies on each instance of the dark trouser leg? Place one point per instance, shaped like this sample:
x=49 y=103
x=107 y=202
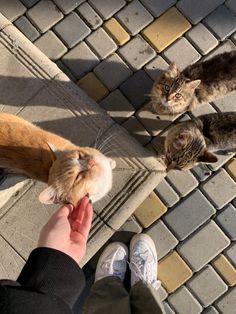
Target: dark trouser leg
x=108 y=296
x=145 y=299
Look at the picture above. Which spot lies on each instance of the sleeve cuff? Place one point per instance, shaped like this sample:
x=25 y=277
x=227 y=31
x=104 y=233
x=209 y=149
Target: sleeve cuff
x=54 y=273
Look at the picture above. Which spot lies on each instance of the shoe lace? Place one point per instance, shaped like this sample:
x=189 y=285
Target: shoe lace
x=112 y=268
x=142 y=268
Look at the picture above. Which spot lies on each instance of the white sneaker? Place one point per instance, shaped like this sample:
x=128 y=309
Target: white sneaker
x=143 y=260
x=112 y=262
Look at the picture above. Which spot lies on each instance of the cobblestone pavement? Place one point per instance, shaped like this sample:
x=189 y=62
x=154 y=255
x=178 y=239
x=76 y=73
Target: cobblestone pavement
x=114 y=49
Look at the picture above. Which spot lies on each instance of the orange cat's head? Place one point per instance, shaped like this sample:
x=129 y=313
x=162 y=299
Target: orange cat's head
x=76 y=173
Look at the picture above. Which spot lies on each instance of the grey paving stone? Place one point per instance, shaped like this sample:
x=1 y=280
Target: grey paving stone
x=162 y=293
x=226 y=46
x=184 y=302
x=131 y=225
x=80 y=59
x=24 y=25
x=166 y=193
x=44 y=15
x=107 y=8
x=182 y=181
x=101 y=43
x=113 y=71
x=231 y=4
x=201 y=172
x=231 y=253
x=207 y=286
x=226 y=103
x=117 y=106
x=50 y=44
x=196 y=10
x=72 y=30
x=207 y=108
x=156 y=67
x=234 y=38
x=197 y=252
x=90 y=16
x=220 y=189
x=164 y=240
x=29 y=3
x=226 y=304
x=137 y=88
x=167 y=308
x=210 y=310
x=202 y=38
x=222 y=159
x=137 y=52
x=227 y=221
x=227 y=23
x=182 y=52
x=157 y=7
x=12 y=9
x=189 y=214
x=66 y=6
x=134 y=17
x=136 y=129
x=65 y=70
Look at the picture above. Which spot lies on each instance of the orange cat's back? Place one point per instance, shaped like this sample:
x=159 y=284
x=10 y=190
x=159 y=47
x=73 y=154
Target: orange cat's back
x=24 y=146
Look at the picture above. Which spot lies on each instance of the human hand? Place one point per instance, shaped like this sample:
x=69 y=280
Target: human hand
x=67 y=230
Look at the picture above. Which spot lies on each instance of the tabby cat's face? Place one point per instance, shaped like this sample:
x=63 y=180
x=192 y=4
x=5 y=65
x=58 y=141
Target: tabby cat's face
x=185 y=146
x=172 y=93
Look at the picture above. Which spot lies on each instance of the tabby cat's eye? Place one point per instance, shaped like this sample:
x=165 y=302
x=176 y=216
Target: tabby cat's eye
x=167 y=88
x=178 y=95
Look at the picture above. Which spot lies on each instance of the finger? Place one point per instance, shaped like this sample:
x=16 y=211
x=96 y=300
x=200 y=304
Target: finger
x=64 y=211
x=78 y=211
x=83 y=227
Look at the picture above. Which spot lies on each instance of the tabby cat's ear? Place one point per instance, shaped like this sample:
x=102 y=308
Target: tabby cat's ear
x=193 y=84
x=207 y=157
x=173 y=70
x=56 y=152
x=48 y=196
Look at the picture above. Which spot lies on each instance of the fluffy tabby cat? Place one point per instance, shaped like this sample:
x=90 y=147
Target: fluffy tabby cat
x=188 y=143
x=70 y=171
x=176 y=92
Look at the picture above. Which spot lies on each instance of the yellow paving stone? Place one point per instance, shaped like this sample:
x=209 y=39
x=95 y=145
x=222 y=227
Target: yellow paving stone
x=118 y=33
x=150 y=210
x=231 y=168
x=93 y=87
x=173 y=271
x=166 y=29
x=226 y=270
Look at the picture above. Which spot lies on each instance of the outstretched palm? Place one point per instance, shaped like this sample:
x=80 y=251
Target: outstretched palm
x=67 y=230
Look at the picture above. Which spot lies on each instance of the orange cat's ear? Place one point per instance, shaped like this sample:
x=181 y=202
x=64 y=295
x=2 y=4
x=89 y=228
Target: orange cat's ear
x=208 y=157
x=48 y=196
x=173 y=70
x=55 y=151
x=193 y=85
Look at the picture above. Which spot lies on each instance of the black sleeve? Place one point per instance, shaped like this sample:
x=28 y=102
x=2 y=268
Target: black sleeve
x=53 y=273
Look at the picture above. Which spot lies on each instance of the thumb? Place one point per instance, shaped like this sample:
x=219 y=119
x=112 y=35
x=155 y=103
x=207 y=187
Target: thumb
x=64 y=211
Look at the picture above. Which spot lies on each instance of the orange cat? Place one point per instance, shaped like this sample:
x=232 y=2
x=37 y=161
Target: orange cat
x=70 y=171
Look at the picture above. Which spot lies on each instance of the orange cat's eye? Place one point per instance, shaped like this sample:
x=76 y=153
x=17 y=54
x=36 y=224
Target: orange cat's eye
x=178 y=95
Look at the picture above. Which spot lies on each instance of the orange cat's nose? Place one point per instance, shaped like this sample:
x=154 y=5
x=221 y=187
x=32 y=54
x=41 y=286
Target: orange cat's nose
x=91 y=163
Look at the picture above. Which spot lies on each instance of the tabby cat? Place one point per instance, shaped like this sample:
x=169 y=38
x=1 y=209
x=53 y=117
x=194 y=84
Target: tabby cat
x=70 y=171
x=176 y=92
x=188 y=143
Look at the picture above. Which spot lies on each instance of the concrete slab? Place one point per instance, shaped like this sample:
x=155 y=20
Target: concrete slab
x=46 y=96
